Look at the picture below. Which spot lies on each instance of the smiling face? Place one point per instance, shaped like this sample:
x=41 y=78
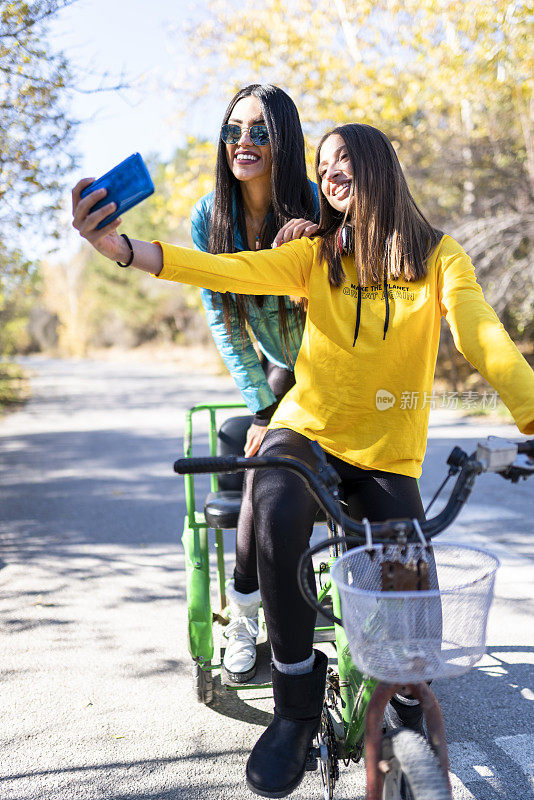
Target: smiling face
x=247 y=160
x=335 y=172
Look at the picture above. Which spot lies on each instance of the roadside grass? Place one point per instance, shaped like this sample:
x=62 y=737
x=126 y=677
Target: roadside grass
x=14 y=387
x=499 y=413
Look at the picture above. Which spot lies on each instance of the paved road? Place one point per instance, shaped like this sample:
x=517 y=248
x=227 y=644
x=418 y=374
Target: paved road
x=96 y=699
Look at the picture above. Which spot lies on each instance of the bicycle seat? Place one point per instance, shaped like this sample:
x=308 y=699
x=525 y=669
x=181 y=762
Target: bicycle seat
x=221 y=509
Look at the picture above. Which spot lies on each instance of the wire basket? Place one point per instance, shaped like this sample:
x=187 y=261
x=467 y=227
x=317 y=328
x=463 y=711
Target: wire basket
x=413 y=636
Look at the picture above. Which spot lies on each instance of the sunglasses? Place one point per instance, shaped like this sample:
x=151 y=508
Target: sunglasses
x=259 y=134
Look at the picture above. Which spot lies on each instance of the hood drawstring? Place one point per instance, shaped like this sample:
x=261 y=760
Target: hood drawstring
x=358 y=314
x=345 y=246
x=359 y=311
x=386 y=298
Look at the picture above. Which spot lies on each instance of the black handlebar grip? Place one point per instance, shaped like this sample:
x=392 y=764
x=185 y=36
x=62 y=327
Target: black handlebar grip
x=526 y=447
x=185 y=466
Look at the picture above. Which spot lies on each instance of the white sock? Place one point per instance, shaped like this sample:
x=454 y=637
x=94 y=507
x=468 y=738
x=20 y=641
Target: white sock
x=299 y=668
x=407 y=701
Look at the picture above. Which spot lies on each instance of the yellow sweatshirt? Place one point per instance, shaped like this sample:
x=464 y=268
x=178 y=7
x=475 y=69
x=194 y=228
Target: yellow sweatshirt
x=366 y=398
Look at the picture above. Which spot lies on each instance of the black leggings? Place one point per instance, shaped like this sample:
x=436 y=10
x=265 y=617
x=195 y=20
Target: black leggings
x=284 y=513
x=246 y=571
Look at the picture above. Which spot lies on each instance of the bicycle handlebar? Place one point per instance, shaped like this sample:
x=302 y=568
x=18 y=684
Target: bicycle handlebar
x=491 y=455
x=184 y=466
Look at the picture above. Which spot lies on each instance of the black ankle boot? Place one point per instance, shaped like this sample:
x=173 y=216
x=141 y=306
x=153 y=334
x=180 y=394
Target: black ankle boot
x=404 y=715
x=277 y=763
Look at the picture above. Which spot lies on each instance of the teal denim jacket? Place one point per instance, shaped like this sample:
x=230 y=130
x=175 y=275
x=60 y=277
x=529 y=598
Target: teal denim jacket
x=241 y=358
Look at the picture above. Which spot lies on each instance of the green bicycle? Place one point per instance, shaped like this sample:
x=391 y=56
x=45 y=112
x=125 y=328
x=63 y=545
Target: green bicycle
x=411 y=612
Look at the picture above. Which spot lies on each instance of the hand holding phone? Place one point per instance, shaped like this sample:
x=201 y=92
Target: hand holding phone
x=127 y=184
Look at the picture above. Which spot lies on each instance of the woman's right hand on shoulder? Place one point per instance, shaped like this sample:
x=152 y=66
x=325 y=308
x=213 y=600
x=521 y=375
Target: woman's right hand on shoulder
x=294 y=229
x=106 y=240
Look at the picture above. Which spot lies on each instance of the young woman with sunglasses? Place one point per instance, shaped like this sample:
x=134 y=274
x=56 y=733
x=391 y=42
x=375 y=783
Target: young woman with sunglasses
x=378 y=277
x=261 y=190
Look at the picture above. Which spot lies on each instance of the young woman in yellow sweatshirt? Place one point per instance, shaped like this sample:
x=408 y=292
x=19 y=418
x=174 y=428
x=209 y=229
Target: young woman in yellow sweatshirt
x=378 y=278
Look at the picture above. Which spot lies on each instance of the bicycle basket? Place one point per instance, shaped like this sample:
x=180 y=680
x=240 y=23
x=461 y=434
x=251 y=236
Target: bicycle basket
x=414 y=636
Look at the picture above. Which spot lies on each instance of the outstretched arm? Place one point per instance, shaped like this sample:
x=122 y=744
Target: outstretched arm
x=282 y=271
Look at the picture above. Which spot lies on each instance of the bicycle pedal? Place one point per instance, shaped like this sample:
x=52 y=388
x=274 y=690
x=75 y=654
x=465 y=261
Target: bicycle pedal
x=311 y=761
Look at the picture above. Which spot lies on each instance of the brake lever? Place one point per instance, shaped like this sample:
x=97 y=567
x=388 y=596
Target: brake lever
x=522 y=467
x=324 y=470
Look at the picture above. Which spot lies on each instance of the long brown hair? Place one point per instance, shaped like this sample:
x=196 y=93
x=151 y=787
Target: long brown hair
x=291 y=196
x=387 y=234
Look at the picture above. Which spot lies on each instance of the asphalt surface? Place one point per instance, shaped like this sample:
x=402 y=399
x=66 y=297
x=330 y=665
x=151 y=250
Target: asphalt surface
x=96 y=698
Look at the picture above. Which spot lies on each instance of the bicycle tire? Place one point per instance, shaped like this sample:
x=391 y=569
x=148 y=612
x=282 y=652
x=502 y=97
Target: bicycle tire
x=414 y=770
x=328 y=761
x=203 y=682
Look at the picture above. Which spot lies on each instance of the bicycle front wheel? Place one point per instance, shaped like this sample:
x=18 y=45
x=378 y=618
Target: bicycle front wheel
x=414 y=770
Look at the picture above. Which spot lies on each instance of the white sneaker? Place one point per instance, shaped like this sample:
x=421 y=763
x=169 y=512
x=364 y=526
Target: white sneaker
x=239 y=661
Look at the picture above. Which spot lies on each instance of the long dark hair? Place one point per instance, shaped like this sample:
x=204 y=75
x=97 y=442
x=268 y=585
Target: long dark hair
x=291 y=195
x=385 y=230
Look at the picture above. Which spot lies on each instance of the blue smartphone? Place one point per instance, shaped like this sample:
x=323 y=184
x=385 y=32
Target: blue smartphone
x=127 y=184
